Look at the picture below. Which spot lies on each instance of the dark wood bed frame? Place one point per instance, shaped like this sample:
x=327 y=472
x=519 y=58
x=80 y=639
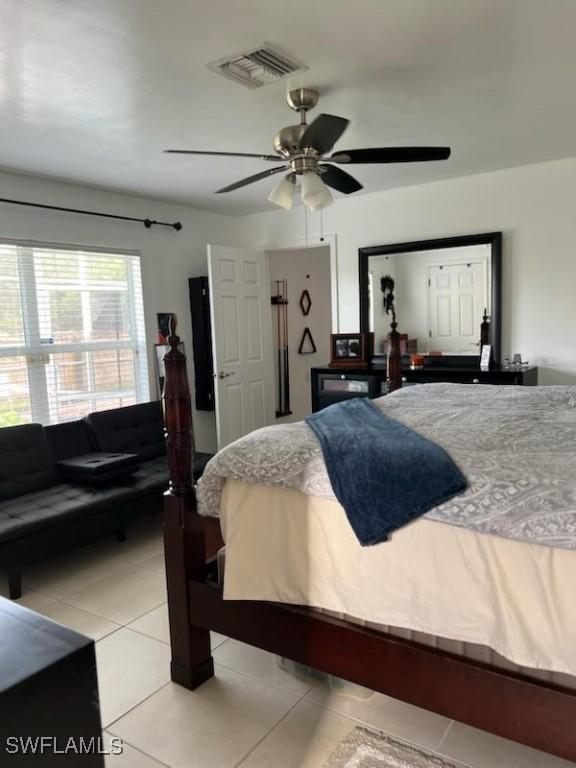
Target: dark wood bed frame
x=534 y=713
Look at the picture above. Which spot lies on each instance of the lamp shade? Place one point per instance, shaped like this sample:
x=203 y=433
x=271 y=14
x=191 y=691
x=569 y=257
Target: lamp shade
x=315 y=193
x=282 y=194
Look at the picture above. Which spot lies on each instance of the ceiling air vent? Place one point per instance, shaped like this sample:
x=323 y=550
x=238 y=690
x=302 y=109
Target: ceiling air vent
x=261 y=66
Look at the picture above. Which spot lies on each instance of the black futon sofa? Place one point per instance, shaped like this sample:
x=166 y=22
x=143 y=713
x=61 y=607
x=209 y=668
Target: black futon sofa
x=65 y=485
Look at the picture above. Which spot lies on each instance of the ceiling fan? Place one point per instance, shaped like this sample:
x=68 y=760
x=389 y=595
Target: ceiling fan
x=303 y=149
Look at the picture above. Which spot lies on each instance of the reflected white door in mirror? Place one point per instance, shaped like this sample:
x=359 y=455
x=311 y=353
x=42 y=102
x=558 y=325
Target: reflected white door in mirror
x=457 y=294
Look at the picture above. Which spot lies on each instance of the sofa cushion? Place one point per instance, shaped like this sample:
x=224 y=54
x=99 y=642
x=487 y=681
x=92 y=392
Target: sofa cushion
x=71 y=438
x=53 y=506
x=26 y=461
x=151 y=477
x=133 y=429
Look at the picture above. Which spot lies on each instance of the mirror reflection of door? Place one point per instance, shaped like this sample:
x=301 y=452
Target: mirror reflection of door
x=440 y=297
x=456 y=301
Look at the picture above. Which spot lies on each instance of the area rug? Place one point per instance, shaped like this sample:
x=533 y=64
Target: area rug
x=367 y=749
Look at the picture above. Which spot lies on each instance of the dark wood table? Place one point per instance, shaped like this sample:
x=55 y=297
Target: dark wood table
x=48 y=688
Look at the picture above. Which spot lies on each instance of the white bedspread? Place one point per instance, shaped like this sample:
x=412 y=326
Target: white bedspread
x=516 y=446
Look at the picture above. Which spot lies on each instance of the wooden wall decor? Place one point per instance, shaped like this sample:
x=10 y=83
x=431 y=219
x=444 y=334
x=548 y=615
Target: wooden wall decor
x=307 y=339
x=305 y=302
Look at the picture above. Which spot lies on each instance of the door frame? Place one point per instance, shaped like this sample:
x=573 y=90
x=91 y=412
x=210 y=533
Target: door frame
x=327 y=241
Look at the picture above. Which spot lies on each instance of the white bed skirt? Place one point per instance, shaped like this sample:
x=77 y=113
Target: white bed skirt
x=496 y=600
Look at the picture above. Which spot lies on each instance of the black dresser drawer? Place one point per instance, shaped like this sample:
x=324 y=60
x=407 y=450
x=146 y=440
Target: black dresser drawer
x=518 y=378
x=330 y=385
x=333 y=387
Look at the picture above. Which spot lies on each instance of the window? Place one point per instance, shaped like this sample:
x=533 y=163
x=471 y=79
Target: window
x=72 y=335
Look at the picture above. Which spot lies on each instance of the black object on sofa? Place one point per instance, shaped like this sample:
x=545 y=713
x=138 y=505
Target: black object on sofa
x=139 y=429
x=135 y=429
x=98 y=468
x=53 y=497
x=78 y=461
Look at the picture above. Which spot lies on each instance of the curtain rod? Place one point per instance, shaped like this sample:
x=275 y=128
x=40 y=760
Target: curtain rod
x=148 y=223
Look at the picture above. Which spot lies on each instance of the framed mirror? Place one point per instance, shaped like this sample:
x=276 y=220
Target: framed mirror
x=442 y=288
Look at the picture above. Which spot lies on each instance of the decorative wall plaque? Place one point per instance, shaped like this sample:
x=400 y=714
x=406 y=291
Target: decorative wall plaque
x=307 y=346
x=305 y=302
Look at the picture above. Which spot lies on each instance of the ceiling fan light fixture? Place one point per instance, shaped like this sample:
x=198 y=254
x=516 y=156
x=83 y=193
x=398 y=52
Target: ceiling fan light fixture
x=283 y=194
x=315 y=194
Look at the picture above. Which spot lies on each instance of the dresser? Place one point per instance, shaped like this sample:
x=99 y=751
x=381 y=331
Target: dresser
x=331 y=385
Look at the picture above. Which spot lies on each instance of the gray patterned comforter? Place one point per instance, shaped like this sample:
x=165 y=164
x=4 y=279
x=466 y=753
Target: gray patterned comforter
x=516 y=446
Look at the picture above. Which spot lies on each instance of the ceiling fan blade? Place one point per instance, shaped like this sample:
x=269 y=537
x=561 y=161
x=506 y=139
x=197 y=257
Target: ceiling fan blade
x=251 y=179
x=275 y=158
x=324 y=132
x=391 y=155
x=338 y=179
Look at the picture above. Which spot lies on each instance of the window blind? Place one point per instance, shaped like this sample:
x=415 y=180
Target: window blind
x=72 y=336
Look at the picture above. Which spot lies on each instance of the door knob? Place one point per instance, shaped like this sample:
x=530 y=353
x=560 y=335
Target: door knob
x=224 y=375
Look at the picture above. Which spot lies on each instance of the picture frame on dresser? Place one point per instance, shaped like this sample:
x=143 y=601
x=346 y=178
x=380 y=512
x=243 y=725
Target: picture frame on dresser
x=350 y=350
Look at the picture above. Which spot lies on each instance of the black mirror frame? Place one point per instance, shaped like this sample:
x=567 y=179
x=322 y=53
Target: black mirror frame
x=494 y=239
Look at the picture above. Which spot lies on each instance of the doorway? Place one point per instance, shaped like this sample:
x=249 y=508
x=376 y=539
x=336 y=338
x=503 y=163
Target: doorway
x=303 y=269
x=244 y=349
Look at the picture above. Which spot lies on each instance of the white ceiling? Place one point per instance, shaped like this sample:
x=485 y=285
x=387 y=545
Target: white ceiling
x=92 y=90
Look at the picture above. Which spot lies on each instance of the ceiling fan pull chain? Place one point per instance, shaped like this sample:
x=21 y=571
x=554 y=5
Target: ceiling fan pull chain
x=306 y=225
x=321 y=225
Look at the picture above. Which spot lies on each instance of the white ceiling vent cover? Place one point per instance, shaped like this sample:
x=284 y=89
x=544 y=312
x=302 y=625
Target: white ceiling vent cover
x=261 y=66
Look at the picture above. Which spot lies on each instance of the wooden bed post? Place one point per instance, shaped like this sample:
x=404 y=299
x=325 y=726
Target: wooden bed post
x=184 y=550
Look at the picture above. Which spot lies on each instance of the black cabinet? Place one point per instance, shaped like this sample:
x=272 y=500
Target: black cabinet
x=332 y=385
x=49 y=692
x=202 y=343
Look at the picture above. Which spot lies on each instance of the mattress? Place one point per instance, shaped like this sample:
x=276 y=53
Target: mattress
x=501 y=601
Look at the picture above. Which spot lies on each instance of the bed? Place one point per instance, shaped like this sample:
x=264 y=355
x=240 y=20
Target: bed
x=506 y=665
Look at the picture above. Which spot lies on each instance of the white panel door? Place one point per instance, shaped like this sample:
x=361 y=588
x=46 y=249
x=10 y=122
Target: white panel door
x=457 y=295
x=241 y=341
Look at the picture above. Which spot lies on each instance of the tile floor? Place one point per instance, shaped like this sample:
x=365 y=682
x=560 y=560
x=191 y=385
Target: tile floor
x=253 y=714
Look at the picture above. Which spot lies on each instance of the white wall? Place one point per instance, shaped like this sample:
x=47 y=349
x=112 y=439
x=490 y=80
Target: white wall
x=308 y=270
x=168 y=258
x=535 y=207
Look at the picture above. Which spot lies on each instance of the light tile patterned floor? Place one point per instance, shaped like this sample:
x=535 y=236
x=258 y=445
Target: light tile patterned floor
x=253 y=714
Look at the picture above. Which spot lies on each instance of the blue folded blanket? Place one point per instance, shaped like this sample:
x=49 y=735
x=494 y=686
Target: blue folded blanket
x=383 y=473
